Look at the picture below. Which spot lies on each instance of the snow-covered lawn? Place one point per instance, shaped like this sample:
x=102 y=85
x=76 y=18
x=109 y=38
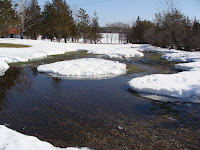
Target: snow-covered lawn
x=84 y=68
x=40 y=49
x=12 y=140
x=184 y=85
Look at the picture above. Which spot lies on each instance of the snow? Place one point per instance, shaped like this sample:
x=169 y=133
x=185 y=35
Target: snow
x=153 y=49
x=181 y=85
x=182 y=56
x=3 y=68
x=119 y=51
x=188 y=66
x=86 y=67
x=184 y=85
x=171 y=54
x=110 y=38
x=42 y=48
x=12 y=140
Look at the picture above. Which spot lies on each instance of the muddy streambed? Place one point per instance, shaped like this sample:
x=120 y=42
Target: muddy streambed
x=99 y=114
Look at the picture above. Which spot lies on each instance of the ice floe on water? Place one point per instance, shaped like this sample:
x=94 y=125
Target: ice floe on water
x=12 y=140
x=181 y=85
x=84 y=68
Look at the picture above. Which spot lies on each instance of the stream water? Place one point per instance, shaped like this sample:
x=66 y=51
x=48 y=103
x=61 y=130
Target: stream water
x=99 y=114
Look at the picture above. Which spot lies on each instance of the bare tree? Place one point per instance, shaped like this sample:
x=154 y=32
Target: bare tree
x=28 y=19
x=171 y=21
x=121 y=28
x=110 y=32
x=22 y=11
x=169 y=6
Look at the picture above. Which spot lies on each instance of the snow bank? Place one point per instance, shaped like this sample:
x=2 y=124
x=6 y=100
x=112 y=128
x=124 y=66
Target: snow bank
x=3 y=68
x=182 y=56
x=118 y=52
x=153 y=49
x=12 y=140
x=181 y=85
x=86 y=67
x=171 y=54
x=188 y=66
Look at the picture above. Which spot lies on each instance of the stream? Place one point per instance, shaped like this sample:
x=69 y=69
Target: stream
x=99 y=114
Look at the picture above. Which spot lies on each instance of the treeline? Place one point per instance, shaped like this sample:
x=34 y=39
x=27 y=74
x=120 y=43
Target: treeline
x=170 y=29
x=55 y=20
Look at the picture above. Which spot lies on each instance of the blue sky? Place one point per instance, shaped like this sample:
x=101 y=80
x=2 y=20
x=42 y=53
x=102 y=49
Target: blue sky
x=126 y=11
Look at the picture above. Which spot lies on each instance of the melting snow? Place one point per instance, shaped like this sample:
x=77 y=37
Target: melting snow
x=40 y=49
x=86 y=67
x=182 y=56
x=12 y=140
x=3 y=68
x=185 y=85
x=181 y=85
x=188 y=66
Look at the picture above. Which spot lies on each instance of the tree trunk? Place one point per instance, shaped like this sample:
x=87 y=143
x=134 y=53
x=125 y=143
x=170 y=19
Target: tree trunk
x=22 y=34
x=84 y=40
x=111 y=37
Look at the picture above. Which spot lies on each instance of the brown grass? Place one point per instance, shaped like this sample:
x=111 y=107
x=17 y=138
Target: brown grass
x=13 y=45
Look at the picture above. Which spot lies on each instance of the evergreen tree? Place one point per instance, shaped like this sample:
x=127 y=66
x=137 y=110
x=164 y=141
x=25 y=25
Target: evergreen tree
x=95 y=35
x=196 y=34
x=67 y=21
x=138 y=31
x=57 y=20
x=75 y=34
x=84 y=24
x=8 y=17
x=48 y=17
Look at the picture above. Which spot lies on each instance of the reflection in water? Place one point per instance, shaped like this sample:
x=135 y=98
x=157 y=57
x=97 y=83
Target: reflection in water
x=180 y=112
x=14 y=77
x=99 y=77
x=56 y=82
x=166 y=109
x=7 y=82
x=34 y=71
